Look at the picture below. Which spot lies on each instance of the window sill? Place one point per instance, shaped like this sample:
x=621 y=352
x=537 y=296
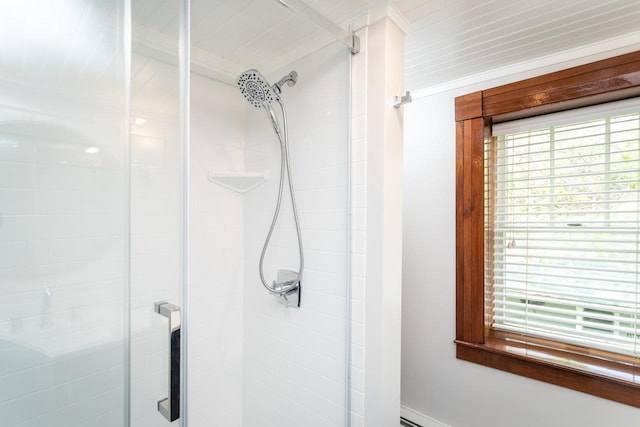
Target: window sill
x=598 y=375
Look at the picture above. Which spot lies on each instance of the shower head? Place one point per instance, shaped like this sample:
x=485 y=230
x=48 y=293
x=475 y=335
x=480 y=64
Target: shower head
x=255 y=88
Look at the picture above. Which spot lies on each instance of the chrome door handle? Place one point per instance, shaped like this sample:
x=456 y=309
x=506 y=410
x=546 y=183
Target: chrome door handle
x=170 y=407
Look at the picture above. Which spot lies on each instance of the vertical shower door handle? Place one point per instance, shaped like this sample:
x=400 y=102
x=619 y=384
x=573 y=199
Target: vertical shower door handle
x=170 y=407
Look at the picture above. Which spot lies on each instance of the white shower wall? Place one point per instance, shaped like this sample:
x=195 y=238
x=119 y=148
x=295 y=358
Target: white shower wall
x=294 y=360
x=252 y=362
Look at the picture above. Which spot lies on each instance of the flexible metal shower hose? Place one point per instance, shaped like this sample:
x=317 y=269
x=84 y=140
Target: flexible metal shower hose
x=284 y=164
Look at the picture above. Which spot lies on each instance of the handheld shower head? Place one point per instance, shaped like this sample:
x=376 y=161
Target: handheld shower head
x=256 y=90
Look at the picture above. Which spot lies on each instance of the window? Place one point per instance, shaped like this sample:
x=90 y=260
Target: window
x=548 y=228
x=562 y=205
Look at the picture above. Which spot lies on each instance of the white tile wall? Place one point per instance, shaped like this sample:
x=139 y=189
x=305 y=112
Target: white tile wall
x=294 y=369
x=358 y=229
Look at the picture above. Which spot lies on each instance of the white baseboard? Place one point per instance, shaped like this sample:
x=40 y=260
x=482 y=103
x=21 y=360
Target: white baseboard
x=419 y=418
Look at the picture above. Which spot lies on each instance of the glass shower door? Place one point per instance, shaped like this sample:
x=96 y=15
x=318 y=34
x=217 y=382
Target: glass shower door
x=63 y=221
x=157 y=213
x=91 y=212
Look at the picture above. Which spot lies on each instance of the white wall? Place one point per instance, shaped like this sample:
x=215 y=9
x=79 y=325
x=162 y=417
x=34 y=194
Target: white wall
x=435 y=384
x=377 y=235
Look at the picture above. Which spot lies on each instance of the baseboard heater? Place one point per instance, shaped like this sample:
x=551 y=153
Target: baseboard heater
x=408 y=423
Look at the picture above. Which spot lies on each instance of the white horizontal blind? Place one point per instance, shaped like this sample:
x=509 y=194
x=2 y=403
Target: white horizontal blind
x=562 y=249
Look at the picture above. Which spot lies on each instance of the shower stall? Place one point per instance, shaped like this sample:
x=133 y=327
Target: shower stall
x=145 y=206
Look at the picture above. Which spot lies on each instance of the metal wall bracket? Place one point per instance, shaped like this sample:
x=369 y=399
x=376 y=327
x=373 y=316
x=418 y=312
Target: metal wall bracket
x=398 y=101
x=301 y=8
x=355 y=44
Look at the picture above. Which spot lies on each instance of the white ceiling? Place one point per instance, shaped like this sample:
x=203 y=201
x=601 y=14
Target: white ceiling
x=446 y=40
x=452 y=39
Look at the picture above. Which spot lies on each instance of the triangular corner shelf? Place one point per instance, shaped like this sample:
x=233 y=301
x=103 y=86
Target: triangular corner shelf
x=240 y=182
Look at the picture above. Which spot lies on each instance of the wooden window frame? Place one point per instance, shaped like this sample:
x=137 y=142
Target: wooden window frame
x=599 y=373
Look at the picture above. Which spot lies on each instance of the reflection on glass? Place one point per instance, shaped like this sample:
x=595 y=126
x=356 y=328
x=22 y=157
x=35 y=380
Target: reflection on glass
x=62 y=214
